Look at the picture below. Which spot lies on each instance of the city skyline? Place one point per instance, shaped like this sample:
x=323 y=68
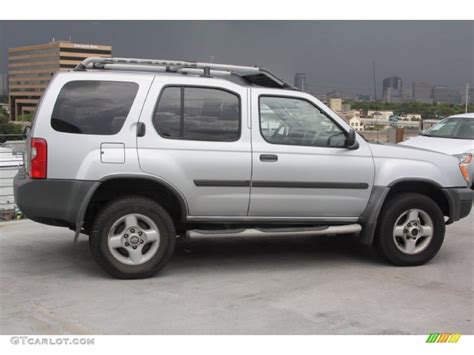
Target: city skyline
x=333 y=54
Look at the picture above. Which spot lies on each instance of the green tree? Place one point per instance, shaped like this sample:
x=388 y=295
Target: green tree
x=26 y=117
x=7 y=127
x=427 y=111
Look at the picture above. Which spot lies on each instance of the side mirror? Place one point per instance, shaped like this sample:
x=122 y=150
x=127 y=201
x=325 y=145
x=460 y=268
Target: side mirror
x=26 y=131
x=351 y=141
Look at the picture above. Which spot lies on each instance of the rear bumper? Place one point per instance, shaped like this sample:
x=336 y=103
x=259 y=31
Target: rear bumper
x=460 y=202
x=56 y=202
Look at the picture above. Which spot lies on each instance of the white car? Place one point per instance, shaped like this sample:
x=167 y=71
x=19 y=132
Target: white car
x=453 y=135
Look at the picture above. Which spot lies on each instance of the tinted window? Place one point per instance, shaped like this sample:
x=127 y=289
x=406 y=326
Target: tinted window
x=198 y=114
x=167 y=118
x=93 y=107
x=294 y=121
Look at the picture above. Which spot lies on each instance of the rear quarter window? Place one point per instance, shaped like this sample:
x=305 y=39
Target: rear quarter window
x=93 y=107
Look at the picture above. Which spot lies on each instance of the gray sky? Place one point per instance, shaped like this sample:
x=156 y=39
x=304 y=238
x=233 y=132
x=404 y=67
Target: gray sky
x=334 y=54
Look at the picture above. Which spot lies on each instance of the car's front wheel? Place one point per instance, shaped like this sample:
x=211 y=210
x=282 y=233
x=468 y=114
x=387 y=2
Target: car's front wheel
x=132 y=237
x=410 y=229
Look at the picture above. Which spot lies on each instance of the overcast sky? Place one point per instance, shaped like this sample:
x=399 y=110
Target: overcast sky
x=333 y=54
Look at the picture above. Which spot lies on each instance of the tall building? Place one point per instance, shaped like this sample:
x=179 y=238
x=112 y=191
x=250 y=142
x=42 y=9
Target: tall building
x=392 y=88
x=470 y=98
x=445 y=95
x=30 y=69
x=3 y=84
x=423 y=92
x=300 y=81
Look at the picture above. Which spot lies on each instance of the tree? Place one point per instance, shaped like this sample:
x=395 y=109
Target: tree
x=6 y=127
x=427 y=111
x=26 y=117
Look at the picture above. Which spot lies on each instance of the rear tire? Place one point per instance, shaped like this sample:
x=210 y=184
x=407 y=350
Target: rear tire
x=132 y=238
x=410 y=230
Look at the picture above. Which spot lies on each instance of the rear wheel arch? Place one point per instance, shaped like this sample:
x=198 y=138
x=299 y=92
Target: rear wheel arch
x=113 y=187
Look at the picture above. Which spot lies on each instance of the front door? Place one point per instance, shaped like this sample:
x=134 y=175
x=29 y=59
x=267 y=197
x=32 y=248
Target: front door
x=301 y=167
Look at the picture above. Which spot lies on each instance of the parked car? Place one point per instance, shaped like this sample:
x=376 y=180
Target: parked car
x=134 y=152
x=453 y=135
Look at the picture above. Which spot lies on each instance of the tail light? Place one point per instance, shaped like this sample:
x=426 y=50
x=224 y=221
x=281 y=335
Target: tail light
x=39 y=158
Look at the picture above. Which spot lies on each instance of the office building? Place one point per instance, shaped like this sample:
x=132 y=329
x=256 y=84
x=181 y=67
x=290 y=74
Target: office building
x=3 y=85
x=335 y=104
x=392 y=88
x=300 y=81
x=422 y=92
x=445 y=95
x=345 y=107
x=470 y=98
x=30 y=69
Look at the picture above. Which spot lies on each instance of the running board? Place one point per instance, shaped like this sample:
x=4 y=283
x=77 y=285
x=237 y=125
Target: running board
x=258 y=232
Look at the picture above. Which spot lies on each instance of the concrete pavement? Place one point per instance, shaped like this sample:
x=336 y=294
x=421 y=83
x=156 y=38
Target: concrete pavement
x=307 y=285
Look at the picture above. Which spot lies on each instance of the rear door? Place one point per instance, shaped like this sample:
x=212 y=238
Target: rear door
x=197 y=140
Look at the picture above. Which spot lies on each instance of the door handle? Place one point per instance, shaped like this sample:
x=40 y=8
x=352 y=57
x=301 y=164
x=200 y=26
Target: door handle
x=141 y=129
x=268 y=157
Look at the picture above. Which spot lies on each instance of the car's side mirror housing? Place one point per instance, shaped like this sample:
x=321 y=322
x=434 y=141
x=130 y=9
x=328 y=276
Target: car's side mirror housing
x=351 y=141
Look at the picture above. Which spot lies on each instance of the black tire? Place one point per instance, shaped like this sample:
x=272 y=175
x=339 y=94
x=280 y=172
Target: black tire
x=114 y=211
x=384 y=242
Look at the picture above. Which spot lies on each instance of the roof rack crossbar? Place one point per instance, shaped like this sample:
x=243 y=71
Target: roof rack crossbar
x=175 y=66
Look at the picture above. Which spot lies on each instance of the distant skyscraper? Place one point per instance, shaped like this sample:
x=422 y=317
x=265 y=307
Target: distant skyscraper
x=3 y=84
x=300 y=81
x=423 y=92
x=445 y=95
x=470 y=98
x=392 y=88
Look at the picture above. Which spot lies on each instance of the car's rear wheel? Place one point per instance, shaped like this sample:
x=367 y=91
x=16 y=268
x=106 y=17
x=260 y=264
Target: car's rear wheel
x=410 y=229
x=132 y=237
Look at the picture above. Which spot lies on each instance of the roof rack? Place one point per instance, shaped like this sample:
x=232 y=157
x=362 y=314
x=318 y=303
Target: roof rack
x=253 y=75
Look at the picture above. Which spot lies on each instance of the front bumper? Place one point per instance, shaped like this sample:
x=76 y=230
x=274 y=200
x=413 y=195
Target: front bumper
x=460 y=202
x=57 y=202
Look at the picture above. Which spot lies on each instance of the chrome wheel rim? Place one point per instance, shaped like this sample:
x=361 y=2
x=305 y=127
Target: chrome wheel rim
x=413 y=231
x=133 y=239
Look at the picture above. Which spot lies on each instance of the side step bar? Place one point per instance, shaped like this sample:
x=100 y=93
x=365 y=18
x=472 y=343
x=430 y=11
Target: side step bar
x=258 y=232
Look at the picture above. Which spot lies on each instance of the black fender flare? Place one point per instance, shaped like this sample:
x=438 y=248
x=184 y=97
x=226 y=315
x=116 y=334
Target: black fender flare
x=85 y=202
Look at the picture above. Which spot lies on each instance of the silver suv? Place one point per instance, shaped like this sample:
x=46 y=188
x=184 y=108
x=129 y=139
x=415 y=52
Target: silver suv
x=134 y=152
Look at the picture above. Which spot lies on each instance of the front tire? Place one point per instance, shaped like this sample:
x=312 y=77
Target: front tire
x=132 y=238
x=410 y=230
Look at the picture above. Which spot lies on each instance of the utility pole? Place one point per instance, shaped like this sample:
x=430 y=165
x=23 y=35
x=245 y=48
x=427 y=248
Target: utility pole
x=375 y=98
x=467 y=97
x=375 y=85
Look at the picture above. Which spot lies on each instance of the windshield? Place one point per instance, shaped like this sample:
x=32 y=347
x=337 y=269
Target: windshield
x=451 y=127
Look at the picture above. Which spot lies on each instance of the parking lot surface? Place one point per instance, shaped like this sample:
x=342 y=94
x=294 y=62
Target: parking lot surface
x=302 y=285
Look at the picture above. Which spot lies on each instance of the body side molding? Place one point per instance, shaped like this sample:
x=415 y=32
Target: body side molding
x=282 y=184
